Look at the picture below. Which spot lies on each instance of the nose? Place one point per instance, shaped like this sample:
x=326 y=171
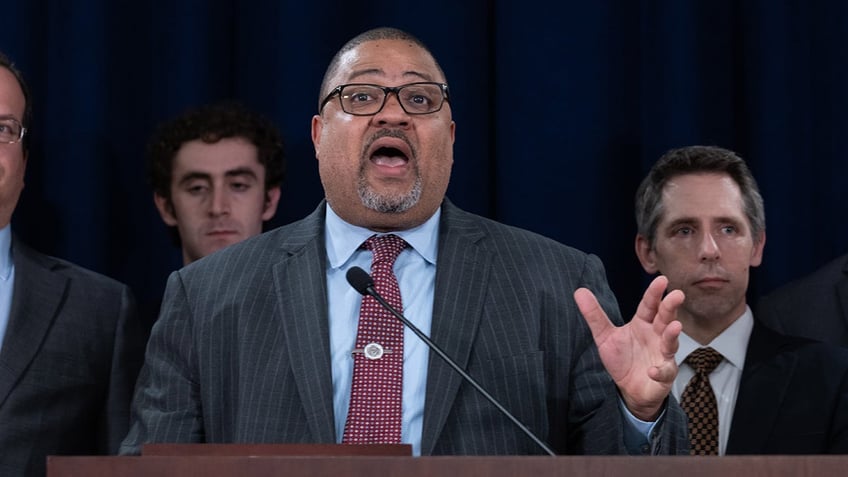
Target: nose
x=709 y=248
x=220 y=204
x=392 y=113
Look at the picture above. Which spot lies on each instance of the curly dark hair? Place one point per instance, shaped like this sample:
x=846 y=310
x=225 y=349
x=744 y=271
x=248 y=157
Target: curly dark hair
x=210 y=124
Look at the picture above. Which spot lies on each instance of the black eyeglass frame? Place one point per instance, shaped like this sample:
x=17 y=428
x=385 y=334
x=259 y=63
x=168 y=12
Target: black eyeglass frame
x=22 y=132
x=386 y=90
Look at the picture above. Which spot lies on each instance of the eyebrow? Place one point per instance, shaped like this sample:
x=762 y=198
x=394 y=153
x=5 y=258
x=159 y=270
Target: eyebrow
x=237 y=172
x=241 y=172
x=681 y=221
x=694 y=221
x=378 y=71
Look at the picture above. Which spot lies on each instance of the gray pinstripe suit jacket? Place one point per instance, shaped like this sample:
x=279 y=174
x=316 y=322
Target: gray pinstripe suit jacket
x=240 y=352
x=69 y=361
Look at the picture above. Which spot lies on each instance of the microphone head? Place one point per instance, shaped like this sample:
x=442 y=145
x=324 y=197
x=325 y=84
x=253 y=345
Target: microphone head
x=360 y=280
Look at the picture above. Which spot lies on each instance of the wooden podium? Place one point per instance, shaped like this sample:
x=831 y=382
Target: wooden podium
x=219 y=460
x=255 y=450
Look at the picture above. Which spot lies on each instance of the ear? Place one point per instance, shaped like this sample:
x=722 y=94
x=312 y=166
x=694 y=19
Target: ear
x=272 y=198
x=645 y=253
x=757 y=252
x=166 y=209
x=317 y=128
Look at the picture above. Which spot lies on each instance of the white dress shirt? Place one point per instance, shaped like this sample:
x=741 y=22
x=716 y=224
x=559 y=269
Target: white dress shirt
x=732 y=343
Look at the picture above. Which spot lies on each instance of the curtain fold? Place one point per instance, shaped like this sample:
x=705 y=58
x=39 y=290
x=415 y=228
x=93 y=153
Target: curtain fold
x=561 y=108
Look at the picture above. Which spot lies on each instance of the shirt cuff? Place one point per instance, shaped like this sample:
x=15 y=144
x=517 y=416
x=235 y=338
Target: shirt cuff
x=637 y=433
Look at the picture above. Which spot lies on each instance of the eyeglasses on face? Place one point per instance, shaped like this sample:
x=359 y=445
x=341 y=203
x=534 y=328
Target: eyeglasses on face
x=11 y=130
x=360 y=99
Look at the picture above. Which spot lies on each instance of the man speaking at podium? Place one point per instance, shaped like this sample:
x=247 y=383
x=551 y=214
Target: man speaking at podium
x=266 y=342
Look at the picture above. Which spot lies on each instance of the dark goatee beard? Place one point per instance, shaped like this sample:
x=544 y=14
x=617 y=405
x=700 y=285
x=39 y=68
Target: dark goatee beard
x=389 y=204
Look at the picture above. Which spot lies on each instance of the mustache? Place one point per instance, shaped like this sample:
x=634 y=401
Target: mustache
x=393 y=133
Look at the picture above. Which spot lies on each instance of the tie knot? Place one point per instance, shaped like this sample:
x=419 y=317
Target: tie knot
x=385 y=248
x=704 y=360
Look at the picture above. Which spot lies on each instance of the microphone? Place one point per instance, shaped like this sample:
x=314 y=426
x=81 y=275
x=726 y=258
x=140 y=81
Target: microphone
x=362 y=282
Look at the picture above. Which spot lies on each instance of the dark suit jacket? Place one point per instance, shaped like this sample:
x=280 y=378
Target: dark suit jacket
x=793 y=397
x=68 y=363
x=240 y=352
x=815 y=306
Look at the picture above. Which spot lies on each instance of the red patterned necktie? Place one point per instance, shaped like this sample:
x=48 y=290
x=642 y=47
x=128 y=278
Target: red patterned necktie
x=699 y=402
x=374 y=415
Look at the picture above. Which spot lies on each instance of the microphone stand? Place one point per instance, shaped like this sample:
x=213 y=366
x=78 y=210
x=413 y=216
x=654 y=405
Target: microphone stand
x=433 y=346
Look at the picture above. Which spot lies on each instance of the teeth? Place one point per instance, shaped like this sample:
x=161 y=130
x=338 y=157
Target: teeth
x=391 y=161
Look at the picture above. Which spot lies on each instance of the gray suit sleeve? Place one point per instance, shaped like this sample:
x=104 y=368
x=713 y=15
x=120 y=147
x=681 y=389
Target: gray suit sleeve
x=127 y=358
x=166 y=406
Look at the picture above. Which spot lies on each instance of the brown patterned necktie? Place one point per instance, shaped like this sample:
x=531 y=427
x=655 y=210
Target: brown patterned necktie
x=374 y=415
x=699 y=402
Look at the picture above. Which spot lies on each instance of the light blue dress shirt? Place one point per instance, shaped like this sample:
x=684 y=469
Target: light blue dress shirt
x=7 y=279
x=415 y=269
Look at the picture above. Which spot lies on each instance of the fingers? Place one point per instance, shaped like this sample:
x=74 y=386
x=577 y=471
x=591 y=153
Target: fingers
x=654 y=308
x=668 y=307
x=662 y=314
x=666 y=371
x=669 y=341
x=669 y=338
x=651 y=299
x=594 y=315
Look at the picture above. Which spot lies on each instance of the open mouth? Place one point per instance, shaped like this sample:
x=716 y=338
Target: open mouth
x=389 y=157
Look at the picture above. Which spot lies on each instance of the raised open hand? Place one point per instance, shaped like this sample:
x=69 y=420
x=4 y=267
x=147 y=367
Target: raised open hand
x=639 y=355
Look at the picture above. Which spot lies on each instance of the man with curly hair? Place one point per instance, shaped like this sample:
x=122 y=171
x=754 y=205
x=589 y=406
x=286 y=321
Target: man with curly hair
x=216 y=173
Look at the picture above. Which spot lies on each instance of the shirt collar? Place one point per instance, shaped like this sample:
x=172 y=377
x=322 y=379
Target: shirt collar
x=732 y=343
x=342 y=238
x=5 y=252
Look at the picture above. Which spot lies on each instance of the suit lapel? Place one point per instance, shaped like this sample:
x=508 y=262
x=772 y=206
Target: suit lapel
x=461 y=282
x=36 y=300
x=300 y=283
x=762 y=389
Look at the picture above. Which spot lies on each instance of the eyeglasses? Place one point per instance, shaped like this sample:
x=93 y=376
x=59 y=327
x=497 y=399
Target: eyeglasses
x=11 y=130
x=368 y=99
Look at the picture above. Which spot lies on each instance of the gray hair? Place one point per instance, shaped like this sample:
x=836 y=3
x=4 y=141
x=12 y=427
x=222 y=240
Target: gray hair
x=693 y=160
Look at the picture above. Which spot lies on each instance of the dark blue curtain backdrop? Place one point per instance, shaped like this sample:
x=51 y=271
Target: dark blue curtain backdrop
x=561 y=107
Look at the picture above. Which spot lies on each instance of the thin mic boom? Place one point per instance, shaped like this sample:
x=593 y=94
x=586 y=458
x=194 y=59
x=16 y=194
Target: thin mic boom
x=361 y=281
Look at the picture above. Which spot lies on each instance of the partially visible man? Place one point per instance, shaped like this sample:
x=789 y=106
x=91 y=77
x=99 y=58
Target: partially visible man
x=70 y=345
x=701 y=223
x=814 y=306
x=216 y=173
